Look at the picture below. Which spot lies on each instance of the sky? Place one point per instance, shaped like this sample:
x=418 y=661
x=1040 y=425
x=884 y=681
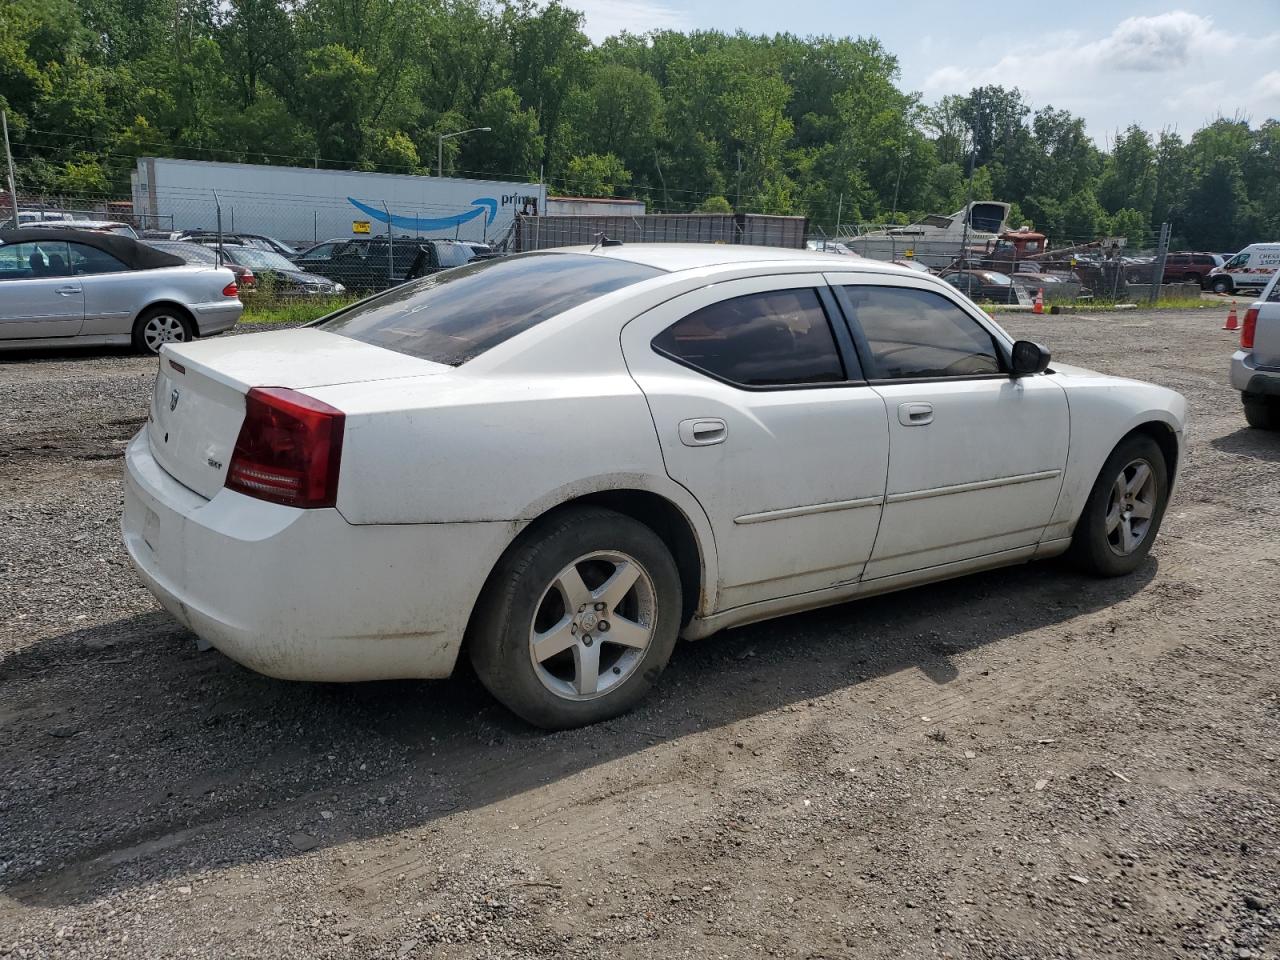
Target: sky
x=1161 y=65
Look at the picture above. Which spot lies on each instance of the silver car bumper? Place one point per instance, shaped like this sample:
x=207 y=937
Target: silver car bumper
x=1248 y=377
x=216 y=317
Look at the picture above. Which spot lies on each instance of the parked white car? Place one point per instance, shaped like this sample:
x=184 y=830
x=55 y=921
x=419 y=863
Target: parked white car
x=65 y=287
x=1255 y=367
x=560 y=461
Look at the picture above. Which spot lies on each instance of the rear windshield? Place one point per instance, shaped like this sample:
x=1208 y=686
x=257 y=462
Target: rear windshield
x=456 y=315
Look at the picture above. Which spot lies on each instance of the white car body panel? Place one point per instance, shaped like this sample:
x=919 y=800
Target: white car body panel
x=217 y=566
x=817 y=495
x=806 y=517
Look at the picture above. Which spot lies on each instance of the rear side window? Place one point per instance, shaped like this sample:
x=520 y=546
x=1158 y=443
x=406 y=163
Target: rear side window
x=777 y=338
x=90 y=260
x=918 y=334
x=454 y=316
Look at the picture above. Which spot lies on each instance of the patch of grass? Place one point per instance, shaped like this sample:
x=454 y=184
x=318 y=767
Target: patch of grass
x=291 y=311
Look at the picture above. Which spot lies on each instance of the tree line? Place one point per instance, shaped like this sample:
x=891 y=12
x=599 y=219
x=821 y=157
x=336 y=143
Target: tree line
x=703 y=120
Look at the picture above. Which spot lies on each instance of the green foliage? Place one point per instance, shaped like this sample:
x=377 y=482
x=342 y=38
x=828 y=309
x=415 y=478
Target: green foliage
x=818 y=126
x=1133 y=226
x=715 y=205
x=596 y=175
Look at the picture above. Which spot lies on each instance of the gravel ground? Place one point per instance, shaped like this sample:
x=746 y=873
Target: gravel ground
x=1025 y=763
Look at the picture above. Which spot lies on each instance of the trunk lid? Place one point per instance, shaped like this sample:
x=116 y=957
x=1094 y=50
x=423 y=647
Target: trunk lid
x=197 y=404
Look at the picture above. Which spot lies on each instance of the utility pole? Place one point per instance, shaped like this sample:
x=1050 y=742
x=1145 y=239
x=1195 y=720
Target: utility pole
x=738 y=205
x=968 y=203
x=1162 y=253
x=8 y=156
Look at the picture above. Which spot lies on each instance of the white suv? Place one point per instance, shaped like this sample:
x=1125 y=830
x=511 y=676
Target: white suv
x=1255 y=367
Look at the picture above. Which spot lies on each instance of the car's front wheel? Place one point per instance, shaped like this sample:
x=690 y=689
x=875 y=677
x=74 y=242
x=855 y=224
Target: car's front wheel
x=160 y=325
x=1262 y=413
x=1220 y=285
x=1122 y=515
x=578 y=619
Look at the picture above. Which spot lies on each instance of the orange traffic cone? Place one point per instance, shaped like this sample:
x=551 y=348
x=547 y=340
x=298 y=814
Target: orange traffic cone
x=1038 y=307
x=1232 y=323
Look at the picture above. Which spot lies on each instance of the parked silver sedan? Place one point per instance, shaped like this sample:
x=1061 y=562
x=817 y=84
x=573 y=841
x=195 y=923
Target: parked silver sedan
x=61 y=287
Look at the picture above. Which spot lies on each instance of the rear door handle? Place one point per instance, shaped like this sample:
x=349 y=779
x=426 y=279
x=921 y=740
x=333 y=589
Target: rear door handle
x=703 y=432
x=68 y=291
x=915 y=414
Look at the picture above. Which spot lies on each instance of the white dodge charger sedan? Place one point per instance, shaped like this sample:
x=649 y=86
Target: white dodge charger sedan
x=559 y=462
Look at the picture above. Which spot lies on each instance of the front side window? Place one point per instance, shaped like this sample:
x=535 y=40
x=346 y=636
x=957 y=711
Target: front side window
x=34 y=261
x=1239 y=260
x=90 y=260
x=919 y=334
x=778 y=338
x=456 y=315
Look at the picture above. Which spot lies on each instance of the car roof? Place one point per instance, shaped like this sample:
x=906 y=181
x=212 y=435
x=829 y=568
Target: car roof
x=135 y=254
x=72 y=224
x=673 y=257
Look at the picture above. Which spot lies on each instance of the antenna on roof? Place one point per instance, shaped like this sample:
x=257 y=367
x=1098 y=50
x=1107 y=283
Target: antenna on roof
x=603 y=241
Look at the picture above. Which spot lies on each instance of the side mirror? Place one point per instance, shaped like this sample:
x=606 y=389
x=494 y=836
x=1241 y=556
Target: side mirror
x=1029 y=358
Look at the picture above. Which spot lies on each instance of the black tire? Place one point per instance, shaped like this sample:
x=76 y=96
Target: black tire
x=1262 y=413
x=1092 y=547
x=522 y=588
x=1220 y=285
x=140 y=328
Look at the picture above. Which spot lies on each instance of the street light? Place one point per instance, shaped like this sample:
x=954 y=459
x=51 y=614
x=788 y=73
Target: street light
x=448 y=136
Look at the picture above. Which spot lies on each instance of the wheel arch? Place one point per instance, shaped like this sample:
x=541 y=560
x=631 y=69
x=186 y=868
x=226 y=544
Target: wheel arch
x=688 y=538
x=169 y=304
x=1166 y=439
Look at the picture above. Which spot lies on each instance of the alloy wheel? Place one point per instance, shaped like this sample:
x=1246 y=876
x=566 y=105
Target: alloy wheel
x=593 y=625
x=1130 y=507
x=161 y=329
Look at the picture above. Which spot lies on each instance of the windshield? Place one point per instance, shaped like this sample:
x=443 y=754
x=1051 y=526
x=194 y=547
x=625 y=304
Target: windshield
x=456 y=315
x=262 y=259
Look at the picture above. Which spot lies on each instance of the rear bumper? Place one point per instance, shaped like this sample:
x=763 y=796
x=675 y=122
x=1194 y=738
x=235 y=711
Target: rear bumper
x=302 y=594
x=216 y=316
x=1248 y=377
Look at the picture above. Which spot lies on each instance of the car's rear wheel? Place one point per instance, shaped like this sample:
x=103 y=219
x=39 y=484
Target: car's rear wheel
x=1191 y=277
x=160 y=325
x=578 y=619
x=1262 y=413
x=1123 y=513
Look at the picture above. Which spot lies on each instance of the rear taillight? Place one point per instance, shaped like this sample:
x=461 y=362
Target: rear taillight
x=230 y=290
x=246 y=279
x=1249 y=329
x=289 y=449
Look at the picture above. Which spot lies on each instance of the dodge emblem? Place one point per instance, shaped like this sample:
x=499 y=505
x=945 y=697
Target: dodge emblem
x=174 y=397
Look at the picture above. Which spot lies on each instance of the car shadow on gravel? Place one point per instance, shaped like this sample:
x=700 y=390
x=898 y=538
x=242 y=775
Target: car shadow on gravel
x=130 y=757
x=1248 y=442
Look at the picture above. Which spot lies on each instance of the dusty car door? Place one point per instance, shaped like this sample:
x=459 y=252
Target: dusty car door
x=38 y=295
x=113 y=293
x=762 y=413
x=975 y=455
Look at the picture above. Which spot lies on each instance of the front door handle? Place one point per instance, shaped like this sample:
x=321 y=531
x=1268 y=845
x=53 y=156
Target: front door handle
x=915 y=414
x=703 y=432
x=68 y=291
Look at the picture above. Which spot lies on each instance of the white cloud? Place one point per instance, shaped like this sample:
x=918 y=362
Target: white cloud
x=1269 y=88
x=607 y=18
x=1163 y=42
x=1157 y=71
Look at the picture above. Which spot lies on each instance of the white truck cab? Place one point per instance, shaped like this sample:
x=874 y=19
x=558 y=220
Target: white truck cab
x=1250 y=269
